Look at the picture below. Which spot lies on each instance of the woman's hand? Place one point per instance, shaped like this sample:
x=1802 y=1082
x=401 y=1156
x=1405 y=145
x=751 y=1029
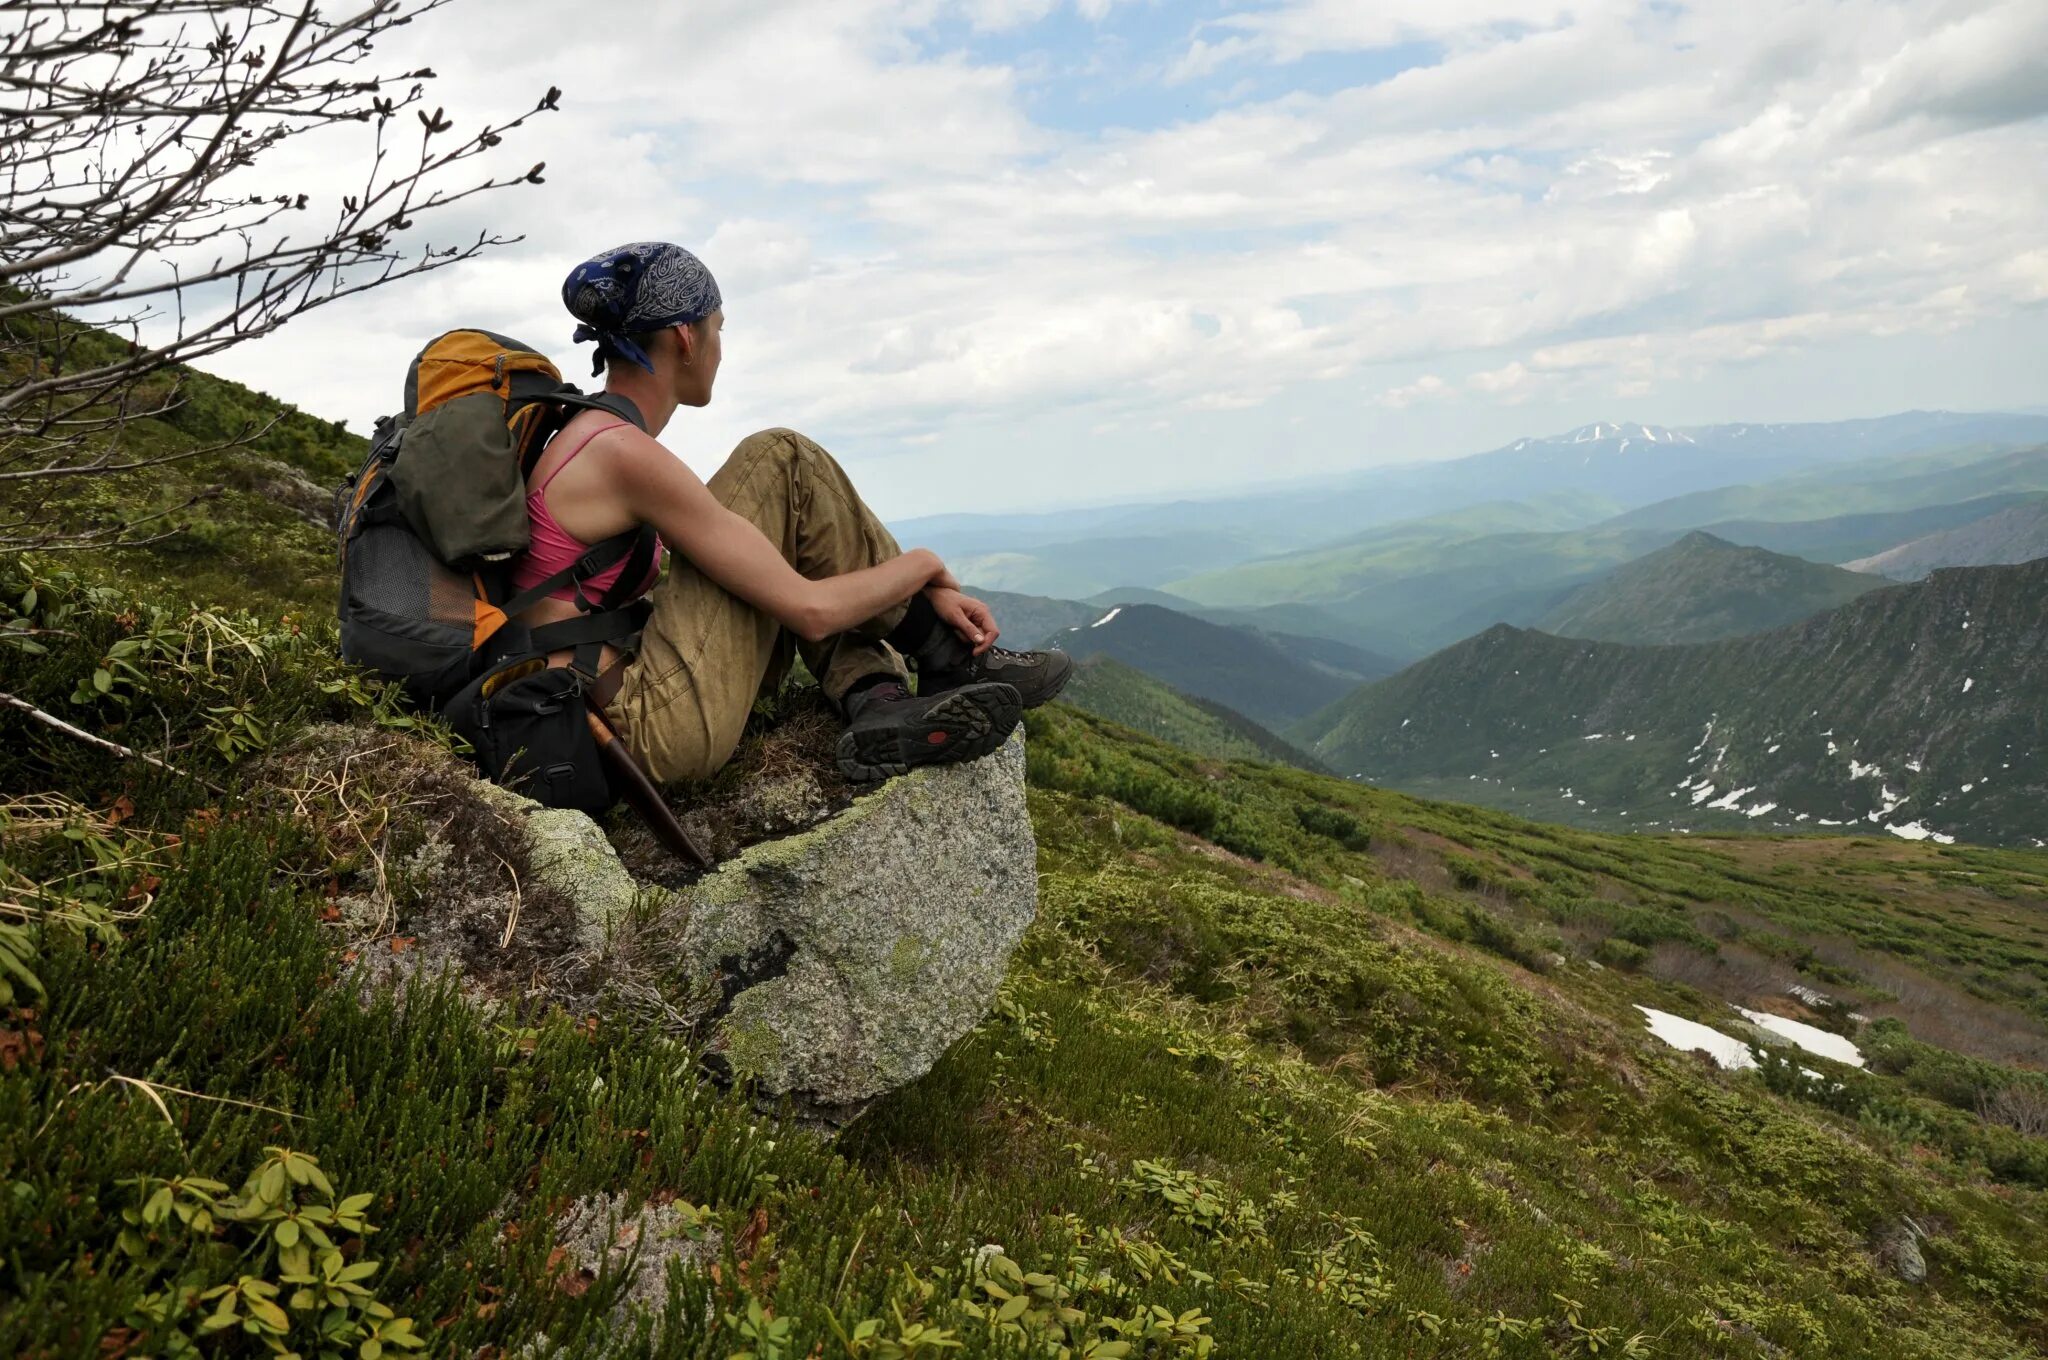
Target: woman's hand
x=965 y=615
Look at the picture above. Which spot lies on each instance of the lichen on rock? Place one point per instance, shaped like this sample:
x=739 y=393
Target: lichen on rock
x=836 y=964
x=598 y=1237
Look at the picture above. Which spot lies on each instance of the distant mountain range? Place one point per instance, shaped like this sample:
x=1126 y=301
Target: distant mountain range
x=1718 y=670
x=1919 y=710
x=1703 y=589
x=2014 y=535
x=1582 y=475
x=1407 y=590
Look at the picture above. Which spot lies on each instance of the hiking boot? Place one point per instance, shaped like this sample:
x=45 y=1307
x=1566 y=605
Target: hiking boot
x=889 y=732
x=948 y=663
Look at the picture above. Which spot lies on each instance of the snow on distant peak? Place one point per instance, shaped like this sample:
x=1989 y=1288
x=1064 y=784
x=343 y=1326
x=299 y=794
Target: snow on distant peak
x=1603 y=431
x=1107 y=617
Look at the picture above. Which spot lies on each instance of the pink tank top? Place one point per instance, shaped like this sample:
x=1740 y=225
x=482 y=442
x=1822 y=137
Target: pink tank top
x=552 y=547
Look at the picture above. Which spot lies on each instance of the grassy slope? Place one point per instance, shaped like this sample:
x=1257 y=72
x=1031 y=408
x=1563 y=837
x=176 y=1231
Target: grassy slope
x=1123 y=694
x=257 y=534
x=1439 y=546
x=1316 y=1069
x=1702 y=589
x=1410 y=599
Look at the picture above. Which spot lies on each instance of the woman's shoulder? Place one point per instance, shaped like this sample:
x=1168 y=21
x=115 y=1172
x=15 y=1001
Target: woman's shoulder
x=626 y=454
x=593 y=436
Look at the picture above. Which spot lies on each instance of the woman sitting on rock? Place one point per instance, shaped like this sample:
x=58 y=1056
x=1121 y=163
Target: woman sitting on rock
x=775 y=554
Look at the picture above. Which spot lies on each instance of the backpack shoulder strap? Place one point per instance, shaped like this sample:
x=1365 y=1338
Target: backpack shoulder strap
x=622 y=407
x=594 y=560
x=638 y=559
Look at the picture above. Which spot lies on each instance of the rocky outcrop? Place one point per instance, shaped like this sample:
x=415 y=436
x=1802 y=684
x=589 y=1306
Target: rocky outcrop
x=1900 y=1251
x=822 y=968
x=847 y=958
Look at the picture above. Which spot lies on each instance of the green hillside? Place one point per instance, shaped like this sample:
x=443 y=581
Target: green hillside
x=1701 y=589
x=1108 y=688
x=1288 y=1066
x=1844 y=538
x=1895 y=484
x=1412 y=596
x=1918 y=709
x=1339 y=569
x=248 y=524
x=1255 y=674
x=1028 y=620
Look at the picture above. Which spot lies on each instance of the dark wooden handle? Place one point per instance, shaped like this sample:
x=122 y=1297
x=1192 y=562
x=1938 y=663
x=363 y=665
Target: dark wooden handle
x=642 y=796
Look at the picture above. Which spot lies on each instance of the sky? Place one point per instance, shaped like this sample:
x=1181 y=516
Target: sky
x=1014 y=254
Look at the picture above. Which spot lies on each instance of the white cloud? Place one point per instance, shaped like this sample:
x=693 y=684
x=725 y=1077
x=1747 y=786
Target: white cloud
x=1428 y=387
x=1568 y=202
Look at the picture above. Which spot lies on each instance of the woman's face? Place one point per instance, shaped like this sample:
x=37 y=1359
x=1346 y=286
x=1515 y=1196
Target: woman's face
x=702 y=343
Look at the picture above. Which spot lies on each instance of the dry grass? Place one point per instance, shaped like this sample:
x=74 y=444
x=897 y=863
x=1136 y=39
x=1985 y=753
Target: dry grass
x=782 y=779
x=1939 y=1011
x=116 y=855
x=419 y=870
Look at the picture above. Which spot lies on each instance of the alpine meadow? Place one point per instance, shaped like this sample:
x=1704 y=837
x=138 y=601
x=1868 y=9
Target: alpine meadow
x=1424 y=868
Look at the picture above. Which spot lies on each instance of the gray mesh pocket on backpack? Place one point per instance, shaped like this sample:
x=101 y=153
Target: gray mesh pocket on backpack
x=403 y=614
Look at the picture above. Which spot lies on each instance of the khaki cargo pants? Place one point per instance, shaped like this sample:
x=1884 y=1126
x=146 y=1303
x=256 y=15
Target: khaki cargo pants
x=706 y=654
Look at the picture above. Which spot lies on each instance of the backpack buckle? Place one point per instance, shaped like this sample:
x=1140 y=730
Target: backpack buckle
x=386 y=437
x=586 y=567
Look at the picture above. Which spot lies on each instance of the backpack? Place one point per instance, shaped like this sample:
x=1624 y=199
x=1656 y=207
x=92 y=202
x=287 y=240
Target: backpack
x=428 y=530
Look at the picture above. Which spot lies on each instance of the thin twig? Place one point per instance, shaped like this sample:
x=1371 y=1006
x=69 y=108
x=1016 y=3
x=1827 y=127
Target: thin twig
x=102 y=743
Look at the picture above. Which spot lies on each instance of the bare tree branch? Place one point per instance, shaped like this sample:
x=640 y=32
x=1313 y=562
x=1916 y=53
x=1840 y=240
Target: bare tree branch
x=129 y=133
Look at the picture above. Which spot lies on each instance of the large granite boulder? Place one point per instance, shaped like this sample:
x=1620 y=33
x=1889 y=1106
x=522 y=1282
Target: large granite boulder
x=823 y=967
x=848 y=957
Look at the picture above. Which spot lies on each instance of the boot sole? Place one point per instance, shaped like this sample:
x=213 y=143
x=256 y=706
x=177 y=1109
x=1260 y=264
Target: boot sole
x=965 y=724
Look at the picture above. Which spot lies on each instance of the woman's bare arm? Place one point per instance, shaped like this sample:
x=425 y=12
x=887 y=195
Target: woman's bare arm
x=660 y=489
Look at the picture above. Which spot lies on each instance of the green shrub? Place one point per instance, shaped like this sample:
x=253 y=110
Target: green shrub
x=1616 y=952
x=279 y=1260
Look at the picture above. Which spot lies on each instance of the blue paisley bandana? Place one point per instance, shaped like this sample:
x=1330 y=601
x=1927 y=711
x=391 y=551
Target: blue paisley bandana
x=646 y=286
